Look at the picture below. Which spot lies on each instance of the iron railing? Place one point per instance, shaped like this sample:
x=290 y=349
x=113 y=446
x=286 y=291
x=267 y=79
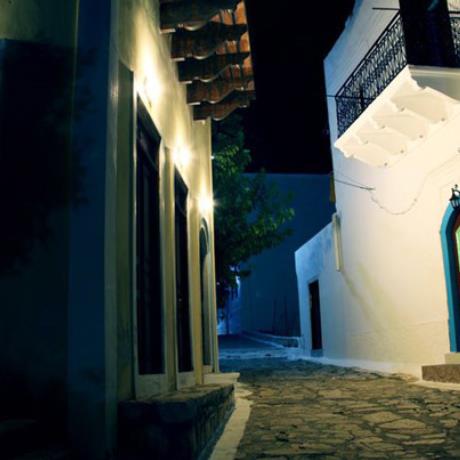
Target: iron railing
x=382 y=63
x=455 y=28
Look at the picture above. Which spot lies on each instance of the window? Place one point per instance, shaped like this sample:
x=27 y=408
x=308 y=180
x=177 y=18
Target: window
x=182 y=280
x=148 y=257
x=205 y=307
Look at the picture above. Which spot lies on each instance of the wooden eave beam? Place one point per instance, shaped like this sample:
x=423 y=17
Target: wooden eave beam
x=191 y=14
x=204 y=42
x=209 y=69
x=224 y=108
x=199 y=92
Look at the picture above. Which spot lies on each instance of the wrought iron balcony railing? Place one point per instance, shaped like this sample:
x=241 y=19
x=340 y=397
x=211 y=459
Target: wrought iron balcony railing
x=455 y=28
x=382 y=63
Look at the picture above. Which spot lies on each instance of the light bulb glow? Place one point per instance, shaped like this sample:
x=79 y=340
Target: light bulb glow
x=182 y=156
x=153 y=89
x=205 y=204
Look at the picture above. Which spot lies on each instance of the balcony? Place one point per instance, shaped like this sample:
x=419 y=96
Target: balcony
x=388 y=105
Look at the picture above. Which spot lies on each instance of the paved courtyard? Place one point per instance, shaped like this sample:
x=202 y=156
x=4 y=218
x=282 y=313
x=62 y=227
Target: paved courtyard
x=302 y=410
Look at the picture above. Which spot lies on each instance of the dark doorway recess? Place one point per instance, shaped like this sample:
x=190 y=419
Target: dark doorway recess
x=148 y=261
x=455 y=235
x=454 y=250
x=182 y=280
x=315 y=318
x=205 y=313
x=450 y=238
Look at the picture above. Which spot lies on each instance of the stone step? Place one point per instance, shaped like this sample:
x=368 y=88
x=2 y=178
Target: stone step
x=448 y=373
x=221 y=378
x=51 y=453
x=179 y=425
x=280 y=340
x=452 y=358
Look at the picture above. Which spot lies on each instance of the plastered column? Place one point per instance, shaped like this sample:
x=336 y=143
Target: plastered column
x=92 y=329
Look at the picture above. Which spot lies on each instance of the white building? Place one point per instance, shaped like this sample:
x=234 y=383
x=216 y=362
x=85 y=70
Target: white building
x=268 y=297
x=386 y=267
x=107 y=280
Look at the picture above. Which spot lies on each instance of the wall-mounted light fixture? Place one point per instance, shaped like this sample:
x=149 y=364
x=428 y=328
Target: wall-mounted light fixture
x=455 y=198
x=153 y=89
x=182 y=156
x=205 y=204
x=336 y=235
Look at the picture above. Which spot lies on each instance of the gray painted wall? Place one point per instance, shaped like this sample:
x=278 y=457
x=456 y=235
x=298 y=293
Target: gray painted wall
x=35 y=110
x=269 y=300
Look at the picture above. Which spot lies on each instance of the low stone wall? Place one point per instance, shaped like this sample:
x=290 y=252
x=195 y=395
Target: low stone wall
x=179 y=425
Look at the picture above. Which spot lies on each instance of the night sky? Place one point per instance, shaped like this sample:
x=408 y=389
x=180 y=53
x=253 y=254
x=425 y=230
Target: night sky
x=286 y=126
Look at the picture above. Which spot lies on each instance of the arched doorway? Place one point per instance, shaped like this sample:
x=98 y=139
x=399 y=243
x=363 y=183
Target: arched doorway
x=206 y=314
x=450 y=236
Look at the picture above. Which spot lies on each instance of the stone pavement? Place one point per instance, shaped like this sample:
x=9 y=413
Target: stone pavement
x=302 y=410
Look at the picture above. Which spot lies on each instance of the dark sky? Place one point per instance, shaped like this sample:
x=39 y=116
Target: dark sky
x=286 y=126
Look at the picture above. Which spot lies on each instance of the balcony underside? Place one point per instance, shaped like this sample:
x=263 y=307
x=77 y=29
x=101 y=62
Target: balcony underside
x=405 y=114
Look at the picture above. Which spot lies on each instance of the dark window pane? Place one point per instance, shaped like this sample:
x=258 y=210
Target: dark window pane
x=182 y=281
x=205 y=320
x=149 y=303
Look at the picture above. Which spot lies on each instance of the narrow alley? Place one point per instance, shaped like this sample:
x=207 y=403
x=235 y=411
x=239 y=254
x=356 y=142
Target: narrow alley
x=304 y=410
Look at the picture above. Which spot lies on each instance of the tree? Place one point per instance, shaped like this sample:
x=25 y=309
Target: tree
x=251 y=213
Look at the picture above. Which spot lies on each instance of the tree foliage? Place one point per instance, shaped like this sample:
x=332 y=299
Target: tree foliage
x=251 y=212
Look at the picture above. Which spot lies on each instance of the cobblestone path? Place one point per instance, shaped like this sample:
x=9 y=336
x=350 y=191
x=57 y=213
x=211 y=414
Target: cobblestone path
x=302 y=410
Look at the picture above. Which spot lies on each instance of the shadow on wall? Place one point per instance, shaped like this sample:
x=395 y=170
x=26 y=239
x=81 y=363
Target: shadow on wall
x=37 y=173
x=40 y=178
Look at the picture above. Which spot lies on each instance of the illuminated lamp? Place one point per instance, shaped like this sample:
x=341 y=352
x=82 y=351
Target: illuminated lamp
x=182 y=156
x=205 y=204
x=455 y=198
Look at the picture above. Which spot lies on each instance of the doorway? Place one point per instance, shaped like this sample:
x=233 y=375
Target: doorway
x=150 y=343
x=450 y=236
x=205 y=300
x=315 y=319
x=184 y=338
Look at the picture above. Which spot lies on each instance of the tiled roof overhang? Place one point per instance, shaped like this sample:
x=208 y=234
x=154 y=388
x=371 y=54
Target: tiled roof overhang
x=210 y=42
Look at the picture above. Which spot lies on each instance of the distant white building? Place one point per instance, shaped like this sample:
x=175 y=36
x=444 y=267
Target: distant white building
x=268 y=299
x=379 y=286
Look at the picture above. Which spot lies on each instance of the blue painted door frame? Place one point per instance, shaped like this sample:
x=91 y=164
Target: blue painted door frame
x=450 y=271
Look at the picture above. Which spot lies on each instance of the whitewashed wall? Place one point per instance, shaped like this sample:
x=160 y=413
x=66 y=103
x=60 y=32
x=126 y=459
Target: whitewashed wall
x=146 y=53
x=387 y=308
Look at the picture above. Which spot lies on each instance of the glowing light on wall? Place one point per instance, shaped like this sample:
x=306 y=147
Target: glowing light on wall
x=205 y=204
x=153 y=89
x=455 y=198
x=148 y=61
x=182 y=156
